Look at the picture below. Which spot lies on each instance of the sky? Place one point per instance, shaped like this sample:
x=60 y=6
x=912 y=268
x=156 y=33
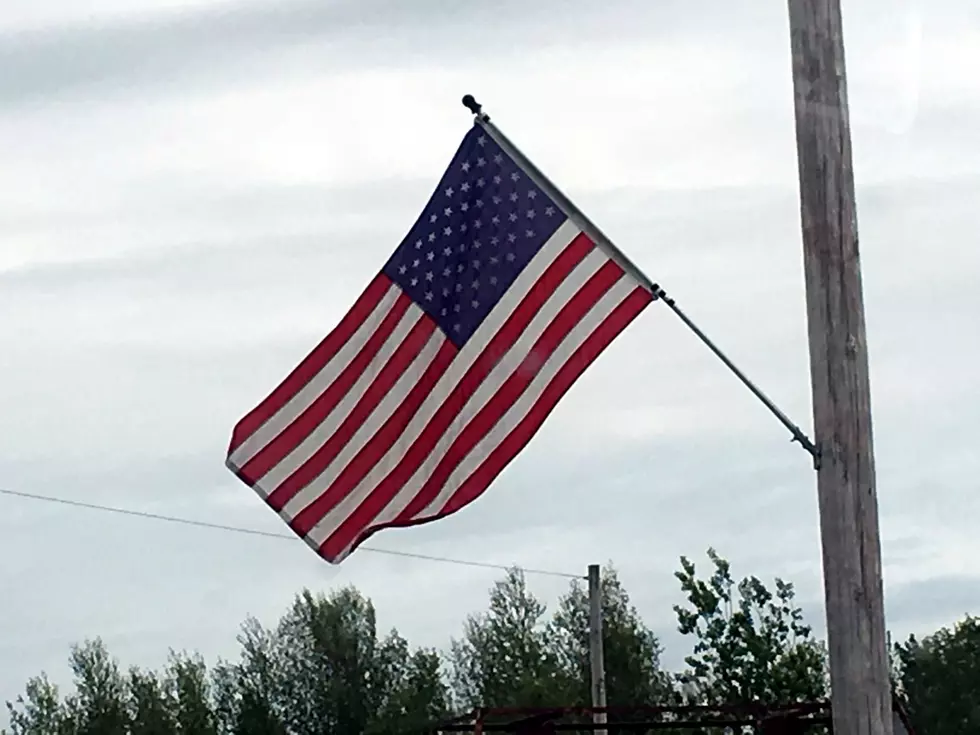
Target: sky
x=193 y=193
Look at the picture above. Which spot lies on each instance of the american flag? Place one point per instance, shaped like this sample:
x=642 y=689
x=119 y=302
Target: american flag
x=447 y=364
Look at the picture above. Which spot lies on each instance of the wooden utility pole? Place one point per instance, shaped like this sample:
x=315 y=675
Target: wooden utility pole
x=861 y=696
x=597 y=663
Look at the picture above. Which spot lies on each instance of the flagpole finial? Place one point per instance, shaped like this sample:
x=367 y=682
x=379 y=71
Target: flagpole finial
x=470 y=103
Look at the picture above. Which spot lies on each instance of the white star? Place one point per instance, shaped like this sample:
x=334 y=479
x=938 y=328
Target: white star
x=515 y=176
x=418 y=244
x=402 y=269
x=432 y=237
x=464 y=207
x=498 y=159
x=496 y=199
x=495 y=219
x=433 y=217
x=530 y=214
x=456 y=327
x=430 y=256
x=475 y=285
x=493 y=280
x=462 y=227
x=549 y=211
x=494 y=260
x=511 y=257
x=481 y=162
x=444 y=311
x=447 y=251
x=497 y=179
x=450 y=191
x=415 y=263
x=511 y=237
x=477 y=244
x=482 y=140
x=459 y=287
x=428 y=296
x=494 y=240
x=465 y=166
x=414 y=281
x=428 y=275
x=481 y=182
x=477 y=224
x=447 y=231
x=512 y=216
x=479 y=203
x=464 y=187
x=456 y=308
x=531 y=194
x=447 y=211
x=513 y=196
x=529 y=233
x=445 y=292
x=476 y=304
x=476 y=264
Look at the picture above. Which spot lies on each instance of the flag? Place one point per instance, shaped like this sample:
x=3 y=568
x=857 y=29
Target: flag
x=447 y=364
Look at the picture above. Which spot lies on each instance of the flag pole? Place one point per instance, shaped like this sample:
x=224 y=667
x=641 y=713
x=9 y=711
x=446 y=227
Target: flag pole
x=589 y=228
x=597 y=663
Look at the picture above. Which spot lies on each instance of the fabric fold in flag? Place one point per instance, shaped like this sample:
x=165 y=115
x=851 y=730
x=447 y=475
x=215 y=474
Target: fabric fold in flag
x=447 y=364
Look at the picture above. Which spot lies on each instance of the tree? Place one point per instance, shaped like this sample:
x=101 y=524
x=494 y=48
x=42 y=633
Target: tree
x=939 y=679
x=503 y=658
x=39 y=710
x=631 y=650
x=755 y=648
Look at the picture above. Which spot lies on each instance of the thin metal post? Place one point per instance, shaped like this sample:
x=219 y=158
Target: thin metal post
x=599 y=238
x=597 y=664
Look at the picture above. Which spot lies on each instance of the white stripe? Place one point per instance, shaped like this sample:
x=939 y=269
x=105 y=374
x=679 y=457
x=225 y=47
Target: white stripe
x=555 y=245
x=302 y=452
x=383 y=411
x=516 y=413
x=487 y=389
x=302 y=399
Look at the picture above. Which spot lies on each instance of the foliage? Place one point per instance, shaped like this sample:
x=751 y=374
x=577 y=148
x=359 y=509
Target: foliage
x=324 y=667
x=751 y=644
x=503 y=658
x=939 y=679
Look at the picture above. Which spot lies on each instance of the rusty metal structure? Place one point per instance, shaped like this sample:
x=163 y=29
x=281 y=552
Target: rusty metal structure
x=794 y=719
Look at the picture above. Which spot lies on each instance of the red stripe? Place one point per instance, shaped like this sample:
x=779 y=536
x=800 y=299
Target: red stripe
x=512 y=388
x=498 y=346
x=386 y=436
x=317 y=412
x=400 y=361
x=313 y=363
x=584 y=356
x=510 y=447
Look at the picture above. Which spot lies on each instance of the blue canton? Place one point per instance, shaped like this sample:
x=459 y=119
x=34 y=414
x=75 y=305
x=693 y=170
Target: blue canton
x=482 y=226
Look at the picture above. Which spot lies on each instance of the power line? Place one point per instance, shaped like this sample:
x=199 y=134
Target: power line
x=273 y=534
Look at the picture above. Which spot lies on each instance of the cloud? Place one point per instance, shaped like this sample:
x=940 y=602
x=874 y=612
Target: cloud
x=193 y=197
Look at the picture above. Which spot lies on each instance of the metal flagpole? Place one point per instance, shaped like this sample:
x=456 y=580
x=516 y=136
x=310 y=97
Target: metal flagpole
x=596 y=235
x=597 y=663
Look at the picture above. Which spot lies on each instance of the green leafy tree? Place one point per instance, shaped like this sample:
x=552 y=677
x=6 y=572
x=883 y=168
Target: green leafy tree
x=150 y=706
x=751 y=645
x=39 y=710
x=190 y=695
x=503 y=658
x=630 y=649
x=939 y=679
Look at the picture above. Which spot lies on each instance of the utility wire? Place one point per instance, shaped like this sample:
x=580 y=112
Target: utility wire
x=273 y=534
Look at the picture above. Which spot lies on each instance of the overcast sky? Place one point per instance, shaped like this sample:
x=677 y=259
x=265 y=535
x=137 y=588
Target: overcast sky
x=192 y=193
